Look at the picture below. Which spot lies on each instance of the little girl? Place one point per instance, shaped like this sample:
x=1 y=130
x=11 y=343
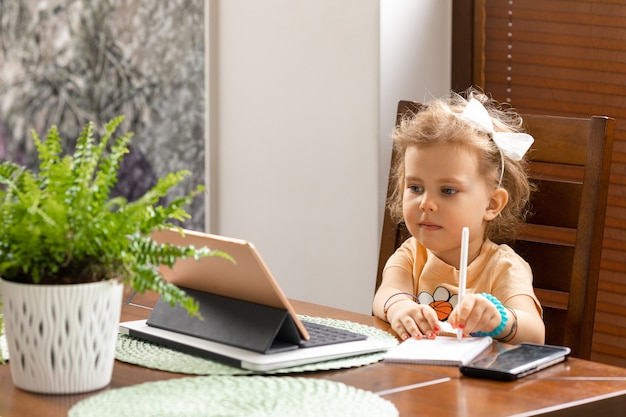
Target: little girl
x=460 y=164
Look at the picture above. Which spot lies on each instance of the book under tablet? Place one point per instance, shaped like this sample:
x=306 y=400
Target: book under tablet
x=247 y=321
x=442 y=350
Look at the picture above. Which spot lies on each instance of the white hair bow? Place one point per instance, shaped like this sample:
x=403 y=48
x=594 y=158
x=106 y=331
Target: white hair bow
x=513 y=145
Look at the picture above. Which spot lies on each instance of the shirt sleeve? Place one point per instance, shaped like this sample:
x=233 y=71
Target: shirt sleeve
x=403 y=257
x=512 y=276
x=410 y=256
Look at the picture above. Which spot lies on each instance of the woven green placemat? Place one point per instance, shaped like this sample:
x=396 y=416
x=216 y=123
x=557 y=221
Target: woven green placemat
x=154 y=356
x=223 y=396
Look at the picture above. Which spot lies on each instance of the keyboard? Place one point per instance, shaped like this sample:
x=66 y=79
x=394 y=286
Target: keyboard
x=321 y=335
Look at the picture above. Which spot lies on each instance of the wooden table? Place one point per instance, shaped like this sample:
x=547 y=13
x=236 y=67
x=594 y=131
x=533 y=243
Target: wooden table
x=574 y=388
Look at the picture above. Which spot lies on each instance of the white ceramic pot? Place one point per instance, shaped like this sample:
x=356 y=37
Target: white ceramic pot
x=61 y=338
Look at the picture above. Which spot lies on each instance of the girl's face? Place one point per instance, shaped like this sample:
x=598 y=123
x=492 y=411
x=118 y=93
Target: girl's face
x=444 y=192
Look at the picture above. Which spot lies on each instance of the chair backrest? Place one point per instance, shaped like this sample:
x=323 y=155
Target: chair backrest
x=562 y=239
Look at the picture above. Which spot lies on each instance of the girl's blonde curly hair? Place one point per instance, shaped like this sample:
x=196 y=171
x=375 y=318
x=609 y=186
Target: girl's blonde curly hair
x=438 y=122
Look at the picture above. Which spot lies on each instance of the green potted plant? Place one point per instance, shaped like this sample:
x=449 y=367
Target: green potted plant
x=63 y=238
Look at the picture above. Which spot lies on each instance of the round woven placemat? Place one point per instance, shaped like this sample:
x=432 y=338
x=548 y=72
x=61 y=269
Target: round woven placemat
x=154 y=356
x=224 y=396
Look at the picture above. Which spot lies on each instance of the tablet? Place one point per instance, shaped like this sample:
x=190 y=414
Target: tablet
x=523 y=359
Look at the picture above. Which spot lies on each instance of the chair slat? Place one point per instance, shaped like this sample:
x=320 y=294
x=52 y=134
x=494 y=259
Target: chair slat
x=553 y=299
x=562 y=236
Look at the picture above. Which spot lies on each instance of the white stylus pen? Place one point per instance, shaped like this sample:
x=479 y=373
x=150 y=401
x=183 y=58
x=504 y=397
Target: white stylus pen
x=462 y=273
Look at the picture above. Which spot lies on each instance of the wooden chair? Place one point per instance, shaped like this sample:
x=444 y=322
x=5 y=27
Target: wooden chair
x=562 y=239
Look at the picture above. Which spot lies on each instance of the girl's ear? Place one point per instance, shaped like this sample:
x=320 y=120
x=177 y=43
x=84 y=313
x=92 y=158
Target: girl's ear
x=497 y=201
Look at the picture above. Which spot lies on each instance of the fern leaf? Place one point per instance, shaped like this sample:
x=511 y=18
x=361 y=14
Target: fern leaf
x=106 y=176
x=173 y=211
x=49 y=152
x=83 y=150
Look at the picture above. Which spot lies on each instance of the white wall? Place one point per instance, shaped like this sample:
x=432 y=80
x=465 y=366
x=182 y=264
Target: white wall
x=296 y=100
x=415 y=62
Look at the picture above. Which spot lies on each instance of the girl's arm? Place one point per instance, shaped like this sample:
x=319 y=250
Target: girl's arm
x=395 y=281
x=395 y=303
x=476 y=313
x=530 y=326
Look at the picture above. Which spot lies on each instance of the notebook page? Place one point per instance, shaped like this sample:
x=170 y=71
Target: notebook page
x=443 y=350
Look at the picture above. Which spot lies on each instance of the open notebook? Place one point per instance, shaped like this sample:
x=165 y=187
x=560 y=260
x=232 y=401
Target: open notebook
x=247 y=320
x=442 y=350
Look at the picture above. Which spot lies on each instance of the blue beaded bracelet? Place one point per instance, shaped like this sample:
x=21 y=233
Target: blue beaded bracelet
x=495 y=332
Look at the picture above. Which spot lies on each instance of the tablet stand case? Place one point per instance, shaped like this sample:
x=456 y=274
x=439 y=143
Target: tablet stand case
x=226 y=320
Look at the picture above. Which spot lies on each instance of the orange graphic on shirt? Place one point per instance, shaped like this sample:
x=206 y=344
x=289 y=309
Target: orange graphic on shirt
x=441 y=301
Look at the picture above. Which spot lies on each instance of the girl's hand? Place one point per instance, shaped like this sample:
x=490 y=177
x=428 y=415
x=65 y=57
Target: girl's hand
x=409 y=319
x=475 y=313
